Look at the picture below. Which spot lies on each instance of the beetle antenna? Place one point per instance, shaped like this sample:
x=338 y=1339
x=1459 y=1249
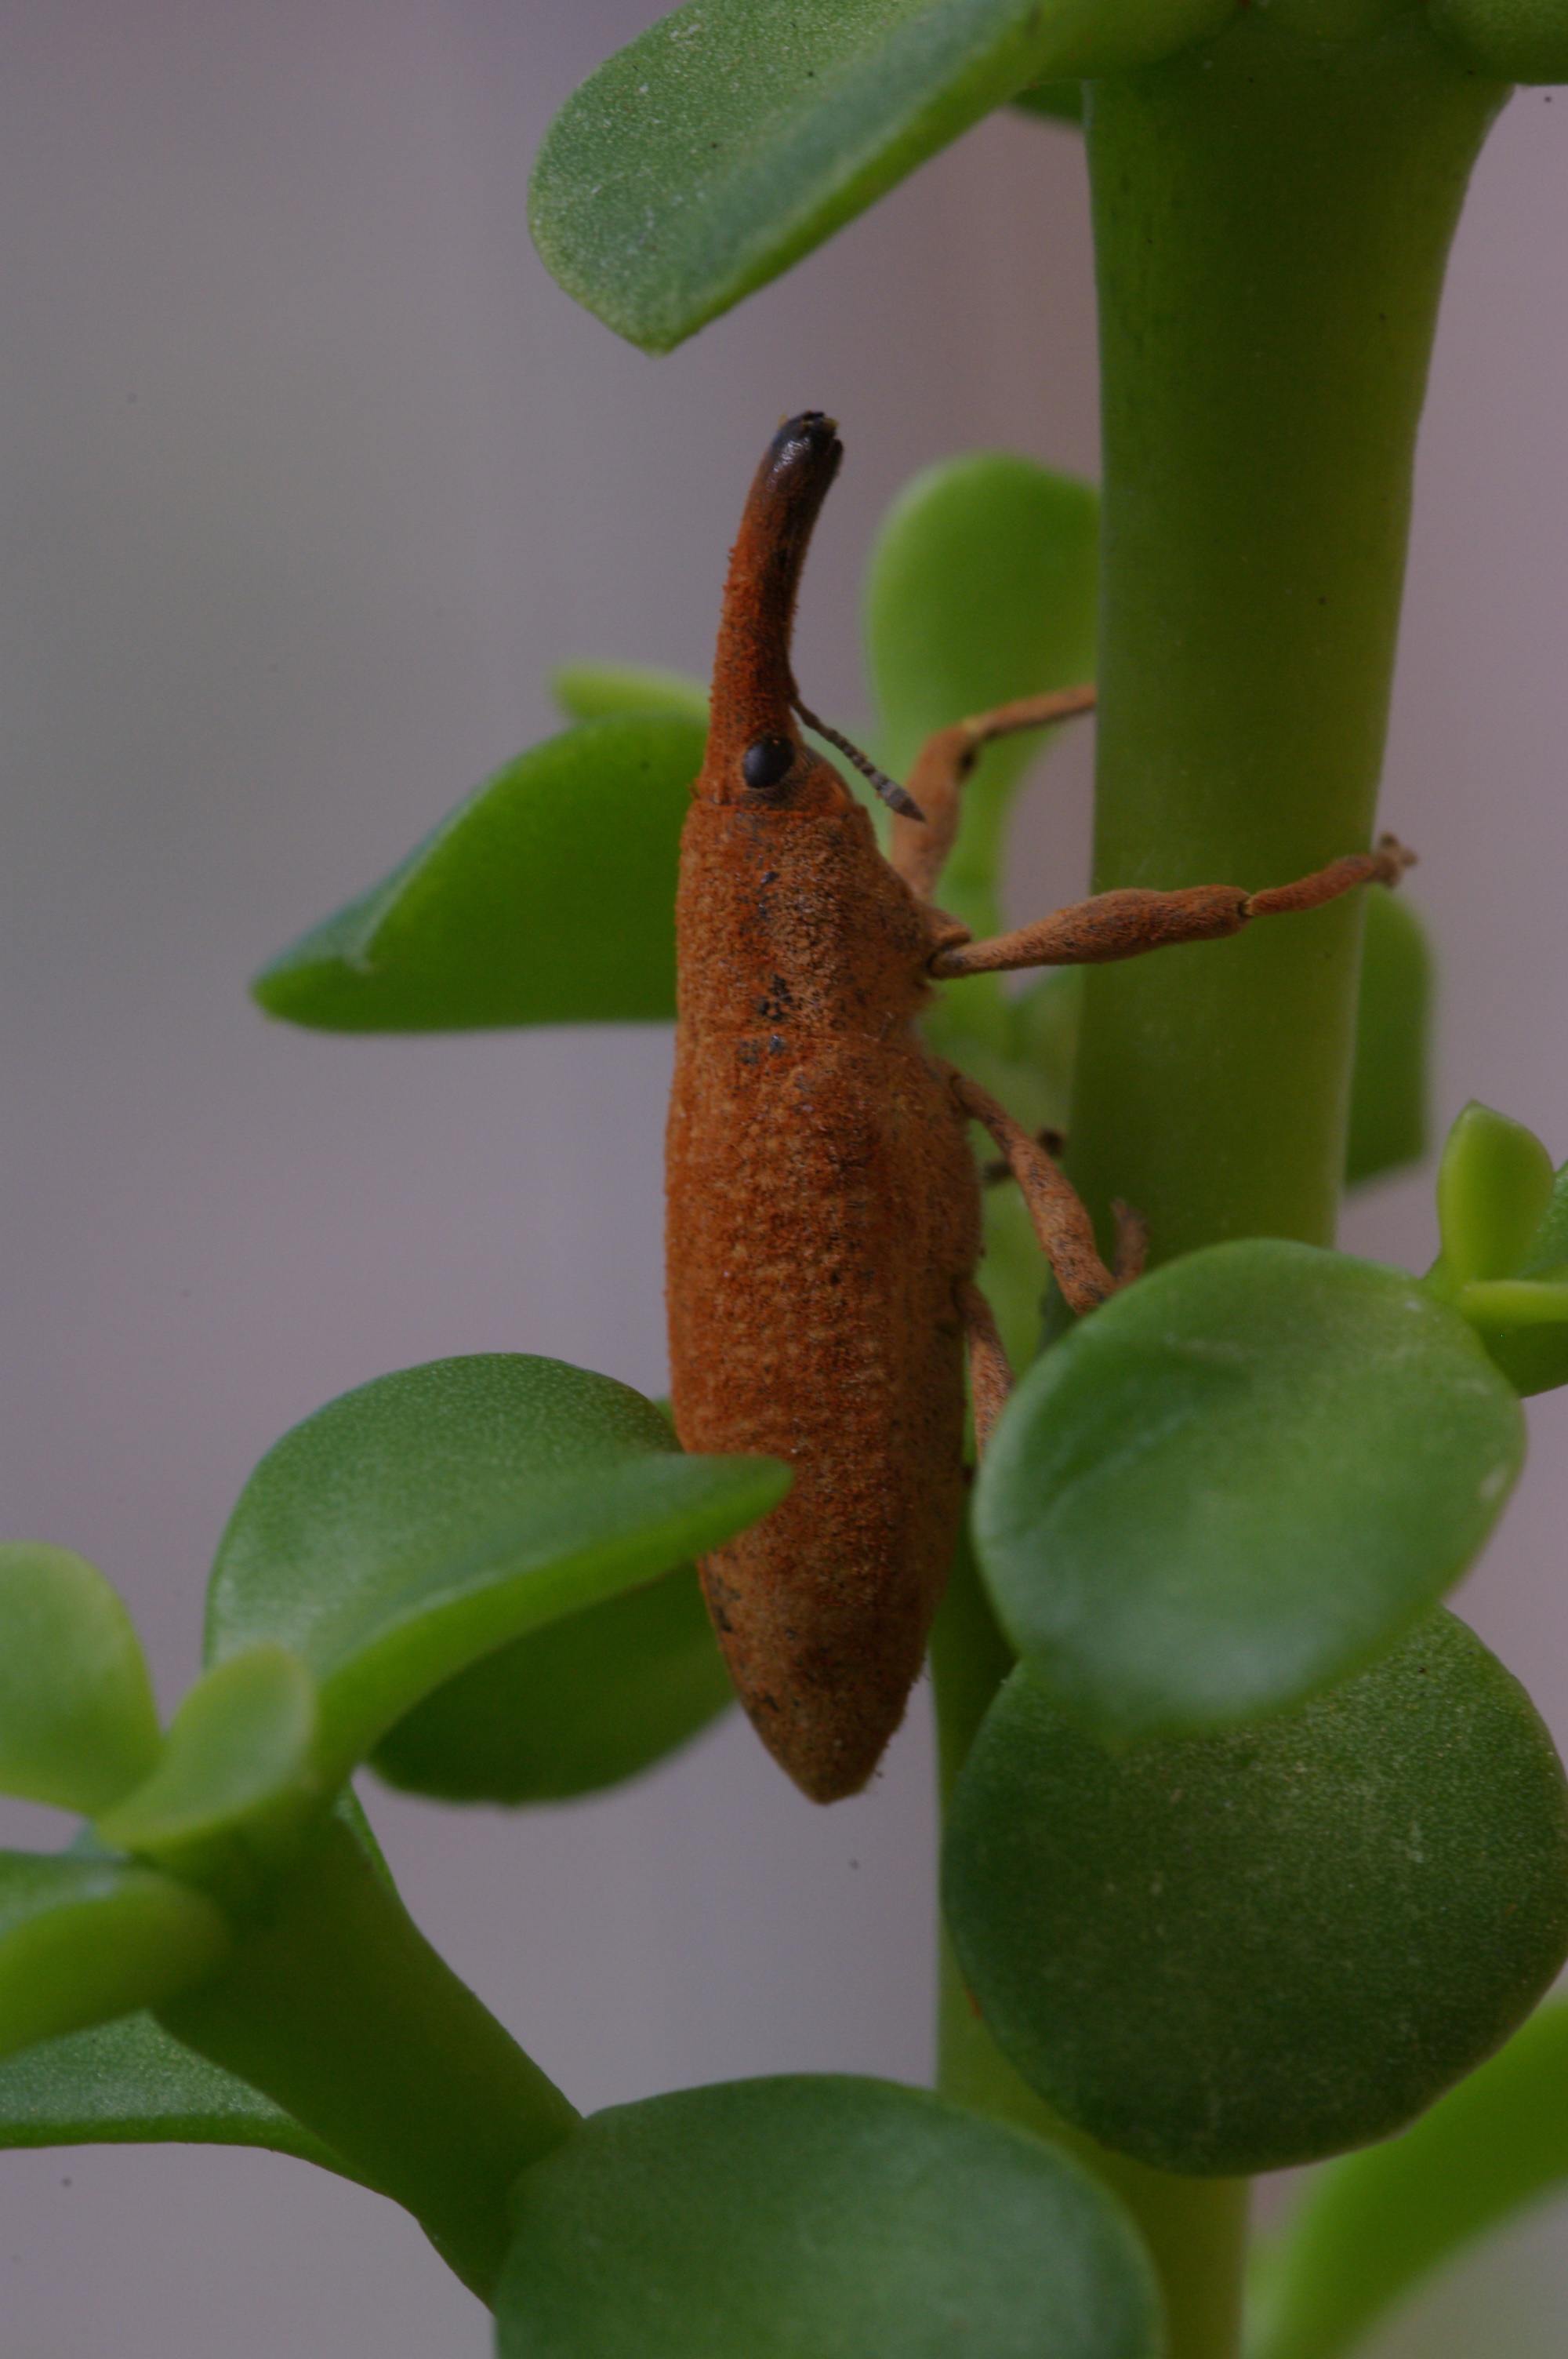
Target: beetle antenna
x=895 y=796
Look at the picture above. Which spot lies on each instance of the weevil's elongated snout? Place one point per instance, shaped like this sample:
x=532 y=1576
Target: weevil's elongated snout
x=753 y=686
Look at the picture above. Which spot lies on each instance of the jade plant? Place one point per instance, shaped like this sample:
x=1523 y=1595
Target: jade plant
x=1252 y=1855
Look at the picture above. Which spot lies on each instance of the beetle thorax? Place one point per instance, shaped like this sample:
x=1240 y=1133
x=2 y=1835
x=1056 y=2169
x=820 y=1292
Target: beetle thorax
x=794 y=921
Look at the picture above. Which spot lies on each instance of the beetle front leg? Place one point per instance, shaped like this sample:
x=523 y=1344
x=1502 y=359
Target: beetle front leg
x=1060 y=1216
x=1123 y=925
x=920 y=848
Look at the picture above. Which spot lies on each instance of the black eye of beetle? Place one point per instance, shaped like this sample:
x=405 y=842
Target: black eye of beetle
x=767 y=762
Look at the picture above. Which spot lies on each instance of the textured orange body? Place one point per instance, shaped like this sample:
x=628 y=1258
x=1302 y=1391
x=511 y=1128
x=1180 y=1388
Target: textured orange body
x=822 y=1203
x=824 y=1212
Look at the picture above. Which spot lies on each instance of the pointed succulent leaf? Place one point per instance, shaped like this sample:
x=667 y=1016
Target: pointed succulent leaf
x=1233 y=1954
x=1393 y=1033
x=1369 y=2229
x=1241 y=1479
x=734 y=136
x=1518 y=40
x=579 y=1705
x=130 y=2083
x=83 y=1940
x=416 y=1525
x=1523 y=1320
x=546 y=898
x=1493 y=1188
x=1055 y=102
x=77 y=1723
x=828 y=2215
x=592 y=691
x=237 y=1781
x=1524 y=1325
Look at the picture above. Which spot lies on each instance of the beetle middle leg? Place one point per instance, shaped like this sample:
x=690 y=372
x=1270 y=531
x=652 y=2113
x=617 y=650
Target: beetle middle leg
x=1125 y=924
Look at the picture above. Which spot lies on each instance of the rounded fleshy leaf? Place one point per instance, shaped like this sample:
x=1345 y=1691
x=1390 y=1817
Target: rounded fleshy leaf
x=1236 y=1482
x=83 y=1940
x=734 y=136
x=981 y=587
x=237 y=1780
x=1393 y=1039
x=571 y=1709
x=1235 y=1953
x=77 y=1723
x=1518 y=40
x=846 y=2219
x=1494 y=1189
x=417 y=1524
x=1369 y=2228
x=546 y=898
x=594 y=691
x=130 y=2083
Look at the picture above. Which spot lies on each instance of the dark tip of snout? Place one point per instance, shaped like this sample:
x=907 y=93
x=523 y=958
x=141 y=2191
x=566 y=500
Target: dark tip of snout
x=806 y=445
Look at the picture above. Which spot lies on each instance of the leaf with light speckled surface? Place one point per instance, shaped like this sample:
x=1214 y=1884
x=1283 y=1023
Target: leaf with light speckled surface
x=734 y=136
x=1239 y=1952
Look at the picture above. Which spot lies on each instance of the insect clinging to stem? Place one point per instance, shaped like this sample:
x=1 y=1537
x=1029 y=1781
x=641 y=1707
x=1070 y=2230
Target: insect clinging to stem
x=823 y=1204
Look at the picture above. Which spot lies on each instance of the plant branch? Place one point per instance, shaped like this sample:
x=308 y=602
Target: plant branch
x=338 y=2009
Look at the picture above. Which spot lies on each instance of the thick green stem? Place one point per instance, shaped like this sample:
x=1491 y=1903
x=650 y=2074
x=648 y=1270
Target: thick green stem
x=1272 y=217
x=338 y=2008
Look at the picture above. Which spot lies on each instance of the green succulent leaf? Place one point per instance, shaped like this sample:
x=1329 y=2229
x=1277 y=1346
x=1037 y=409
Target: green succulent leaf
x=1238 y=1480
x=77 y=1723
x=1522 y=1316
x=981 y=587
x=84 y=1939
x=582 y=1704
x=546 y=898
x=734 y=136
x=1233 y=1954
x=1369 y=2228
x=237 y=1782
x=1523 y=1324
x=1054 y=102
x=416 y=1525
x=844 y=2218
x=1494 y=1189
x=1518 y=40
x=596 y=691
x=1394 y=1034
x=129 y=2082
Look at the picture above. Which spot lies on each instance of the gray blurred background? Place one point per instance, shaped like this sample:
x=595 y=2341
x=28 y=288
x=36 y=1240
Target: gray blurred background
x=310 y=473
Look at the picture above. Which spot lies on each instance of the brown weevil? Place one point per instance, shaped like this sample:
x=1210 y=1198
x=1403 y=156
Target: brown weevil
x=824 y=1212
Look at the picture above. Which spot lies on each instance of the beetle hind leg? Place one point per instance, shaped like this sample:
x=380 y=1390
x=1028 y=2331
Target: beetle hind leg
x=990 y=1371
